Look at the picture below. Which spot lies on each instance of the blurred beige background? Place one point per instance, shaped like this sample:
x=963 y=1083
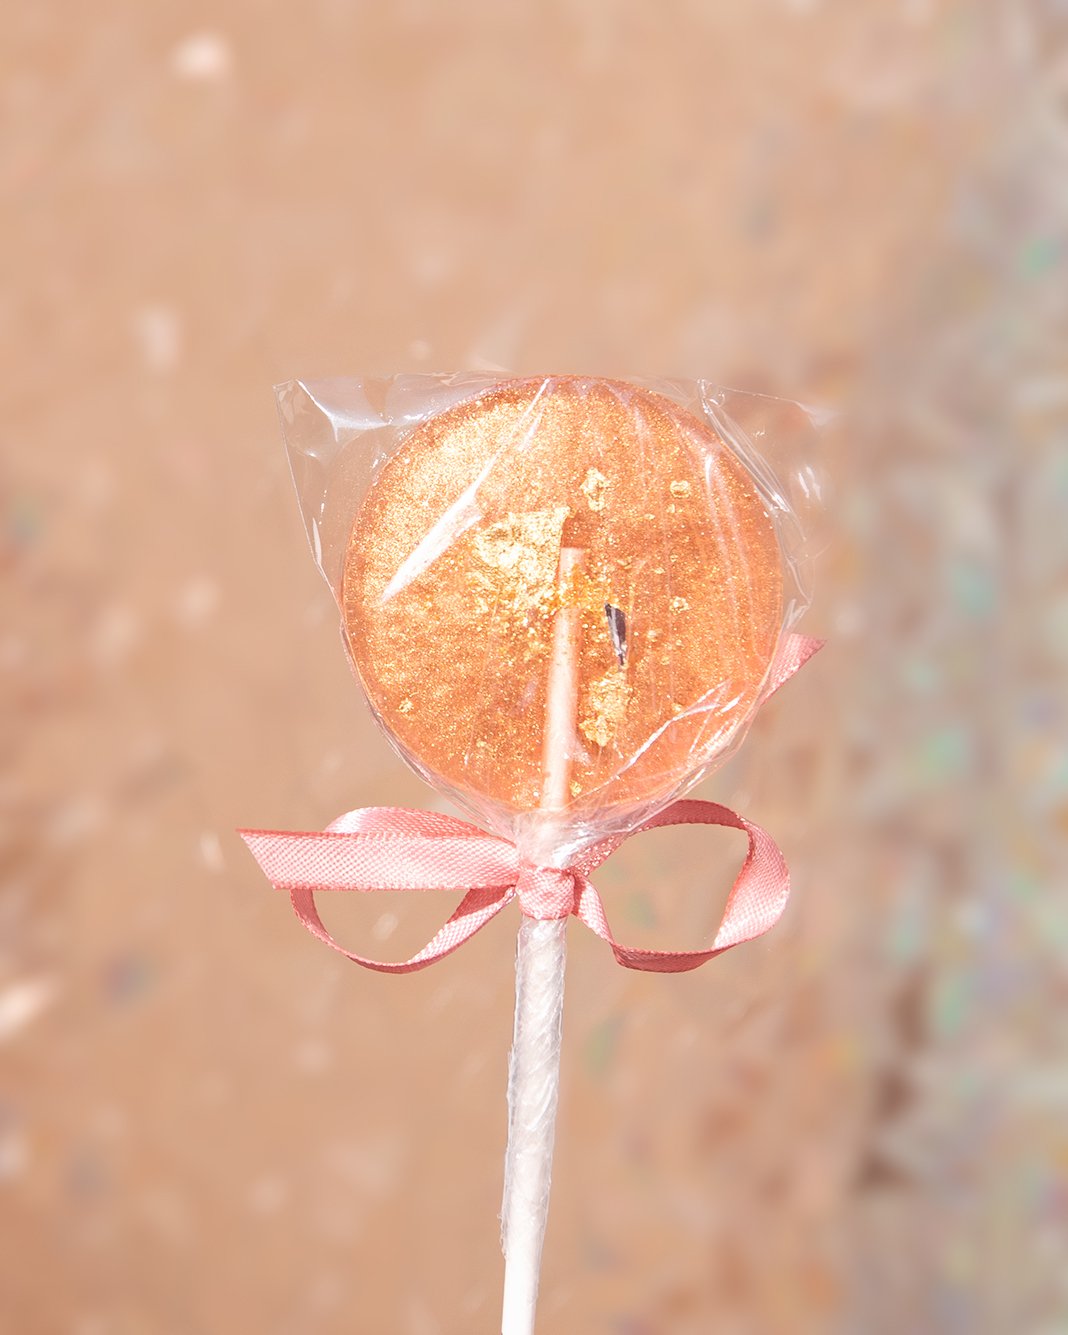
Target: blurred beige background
x=210 y=1124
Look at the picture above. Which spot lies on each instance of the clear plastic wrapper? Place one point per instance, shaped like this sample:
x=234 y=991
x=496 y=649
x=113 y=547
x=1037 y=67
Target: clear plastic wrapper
x=562 y=595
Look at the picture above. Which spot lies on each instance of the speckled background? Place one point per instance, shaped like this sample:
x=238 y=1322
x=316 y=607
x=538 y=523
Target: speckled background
x=208 y=1123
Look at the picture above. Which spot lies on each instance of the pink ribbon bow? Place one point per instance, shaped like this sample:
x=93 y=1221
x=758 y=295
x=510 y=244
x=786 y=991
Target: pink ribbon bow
x=392 y=848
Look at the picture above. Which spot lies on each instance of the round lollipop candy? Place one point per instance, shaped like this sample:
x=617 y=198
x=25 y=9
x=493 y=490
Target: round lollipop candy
x=453 y=584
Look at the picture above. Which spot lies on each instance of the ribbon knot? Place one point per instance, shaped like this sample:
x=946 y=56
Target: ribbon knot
x=546 y=892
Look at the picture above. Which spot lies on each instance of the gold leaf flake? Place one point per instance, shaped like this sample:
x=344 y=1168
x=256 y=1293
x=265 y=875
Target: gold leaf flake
x=606 y=706
x=594 y=488
x=523 y=551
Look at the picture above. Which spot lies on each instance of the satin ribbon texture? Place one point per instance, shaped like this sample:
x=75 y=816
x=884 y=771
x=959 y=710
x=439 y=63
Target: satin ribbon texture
x=393 y=848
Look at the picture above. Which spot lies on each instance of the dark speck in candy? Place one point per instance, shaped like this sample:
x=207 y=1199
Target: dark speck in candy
x=617 y=624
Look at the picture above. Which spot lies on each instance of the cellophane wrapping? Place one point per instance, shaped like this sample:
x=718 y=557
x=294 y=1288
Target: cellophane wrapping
x=439 y=507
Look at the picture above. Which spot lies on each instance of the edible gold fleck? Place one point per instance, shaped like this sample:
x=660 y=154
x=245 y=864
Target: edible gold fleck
x=606 y=705
x=593 y=488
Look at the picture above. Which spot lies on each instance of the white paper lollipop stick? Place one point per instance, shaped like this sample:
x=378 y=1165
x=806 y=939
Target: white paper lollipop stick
x=534 y=1070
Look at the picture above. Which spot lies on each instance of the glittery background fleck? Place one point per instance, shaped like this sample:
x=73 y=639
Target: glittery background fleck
x=450 y=591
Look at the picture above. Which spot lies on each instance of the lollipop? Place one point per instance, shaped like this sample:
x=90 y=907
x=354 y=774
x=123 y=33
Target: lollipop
x=564 y=599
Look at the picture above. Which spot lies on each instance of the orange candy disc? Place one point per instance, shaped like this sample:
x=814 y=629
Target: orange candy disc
x=451 y=590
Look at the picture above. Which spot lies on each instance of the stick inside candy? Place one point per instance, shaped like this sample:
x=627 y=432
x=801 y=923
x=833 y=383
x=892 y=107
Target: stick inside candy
x=561 y=710
x=534 y=1069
